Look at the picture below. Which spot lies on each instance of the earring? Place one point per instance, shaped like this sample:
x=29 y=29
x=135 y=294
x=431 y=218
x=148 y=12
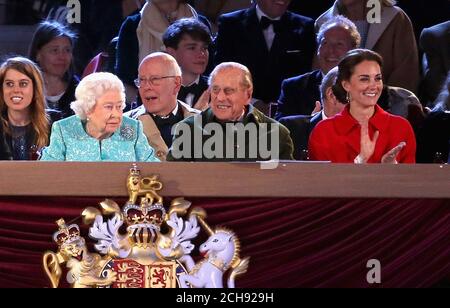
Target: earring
x=348 y=97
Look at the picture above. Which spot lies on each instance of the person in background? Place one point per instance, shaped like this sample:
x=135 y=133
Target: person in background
x=272 y=42
x=299 y=94
x=391 y=36
x=98 y=131
x=433 y=142
x=435 y=44
x=301 y=126
x=187 y=40
x=141 y=34
x=51 y=47
x=24 y=123
x=363 y=132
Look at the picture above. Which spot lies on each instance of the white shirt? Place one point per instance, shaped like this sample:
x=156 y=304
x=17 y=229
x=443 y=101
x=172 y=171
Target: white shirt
x=269 y=33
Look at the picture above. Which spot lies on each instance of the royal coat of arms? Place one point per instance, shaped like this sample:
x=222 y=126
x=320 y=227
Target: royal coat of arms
x=132 y=250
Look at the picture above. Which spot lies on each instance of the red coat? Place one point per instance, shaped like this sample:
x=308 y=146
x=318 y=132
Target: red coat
x=338 y=139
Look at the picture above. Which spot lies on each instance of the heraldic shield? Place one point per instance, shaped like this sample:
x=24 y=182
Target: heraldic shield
x=133 y=252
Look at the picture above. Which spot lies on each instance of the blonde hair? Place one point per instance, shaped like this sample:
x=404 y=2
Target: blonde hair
x=39 y=118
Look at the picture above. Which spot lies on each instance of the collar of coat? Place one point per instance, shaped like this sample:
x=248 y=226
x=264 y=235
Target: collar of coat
x=345 y=123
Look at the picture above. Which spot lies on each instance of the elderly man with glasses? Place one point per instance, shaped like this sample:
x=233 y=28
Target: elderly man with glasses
x=159 y=81
x=231 y=129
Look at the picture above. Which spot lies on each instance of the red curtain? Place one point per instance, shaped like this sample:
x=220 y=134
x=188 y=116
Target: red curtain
x=291 y=242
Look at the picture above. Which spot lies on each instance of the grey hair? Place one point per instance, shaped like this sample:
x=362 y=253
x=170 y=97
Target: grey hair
x=91 y=88
x=344 y=23
x=328 y=81
x=246 y=82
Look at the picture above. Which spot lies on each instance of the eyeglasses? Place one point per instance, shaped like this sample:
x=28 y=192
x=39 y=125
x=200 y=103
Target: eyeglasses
x=154 y=81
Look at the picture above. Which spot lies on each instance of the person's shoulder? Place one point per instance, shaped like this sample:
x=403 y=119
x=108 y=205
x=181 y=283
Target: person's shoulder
x=131 y=22
x=299 y=20
x=135 y=18
x=438 y=30
x=235 y=14
x=129 y=121
x=262 y=118
x=295 y=121
x=236 y=17
x=66 y=122
x=293 y=81
x=136 y=112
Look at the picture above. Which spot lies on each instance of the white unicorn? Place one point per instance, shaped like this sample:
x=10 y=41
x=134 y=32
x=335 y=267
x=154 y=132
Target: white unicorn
x=222 y=253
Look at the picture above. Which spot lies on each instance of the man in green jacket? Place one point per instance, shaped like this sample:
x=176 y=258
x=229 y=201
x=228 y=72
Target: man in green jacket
x=231 y=129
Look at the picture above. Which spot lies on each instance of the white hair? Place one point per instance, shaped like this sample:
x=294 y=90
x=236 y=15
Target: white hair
x=246 y=77
x=91 y=88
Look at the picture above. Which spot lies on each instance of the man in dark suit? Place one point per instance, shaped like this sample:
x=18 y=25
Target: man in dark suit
x=299 y=94
x=435 y=43
x=272 y=42
x=301 y=126
x=187 y=40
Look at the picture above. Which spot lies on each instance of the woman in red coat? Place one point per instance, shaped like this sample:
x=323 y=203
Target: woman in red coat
x=363 y=132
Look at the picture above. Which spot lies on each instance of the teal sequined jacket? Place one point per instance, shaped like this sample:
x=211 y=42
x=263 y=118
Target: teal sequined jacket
x=70 y=142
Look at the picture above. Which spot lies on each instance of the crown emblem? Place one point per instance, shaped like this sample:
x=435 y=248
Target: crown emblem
x=144 y=214
x=135 y=171
x=66 y=234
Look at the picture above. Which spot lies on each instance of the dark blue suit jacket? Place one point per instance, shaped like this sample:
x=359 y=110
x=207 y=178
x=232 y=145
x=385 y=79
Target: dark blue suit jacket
x=300 y=127
x=299 y=94
x=240 y=39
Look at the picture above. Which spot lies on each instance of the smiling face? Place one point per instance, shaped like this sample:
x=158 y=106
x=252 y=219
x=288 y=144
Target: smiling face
x=106 y=116
x=18 y=90
x=335 y=43
x=365 y=84
x=55 y=57
x=274 y=8
x=228 y=95
x=192 y=55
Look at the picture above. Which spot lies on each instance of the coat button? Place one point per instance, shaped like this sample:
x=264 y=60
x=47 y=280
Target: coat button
x=159 y=153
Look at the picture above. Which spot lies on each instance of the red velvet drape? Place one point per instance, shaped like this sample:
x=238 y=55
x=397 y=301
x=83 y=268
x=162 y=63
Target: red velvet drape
x=291 y=242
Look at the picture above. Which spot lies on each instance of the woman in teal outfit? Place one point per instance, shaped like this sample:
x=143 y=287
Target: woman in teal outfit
x=98 y=131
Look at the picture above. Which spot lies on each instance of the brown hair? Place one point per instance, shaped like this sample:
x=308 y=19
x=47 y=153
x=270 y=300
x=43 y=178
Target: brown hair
x=39 y=118
x=346 y=68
